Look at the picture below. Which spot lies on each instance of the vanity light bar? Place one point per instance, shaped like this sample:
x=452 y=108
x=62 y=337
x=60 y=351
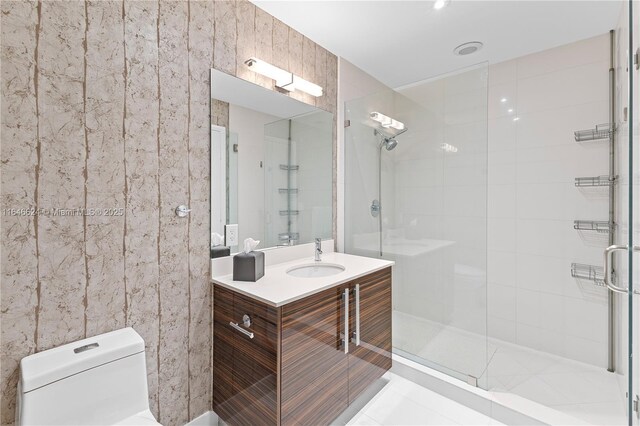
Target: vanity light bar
x=386 y=122
x=306 y=86
x=284 y=79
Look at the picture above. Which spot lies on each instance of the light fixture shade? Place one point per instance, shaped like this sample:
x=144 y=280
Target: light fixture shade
x=307 y=86
x=386 y=122
x=448 y=148
x=284 y=79
x=268 y=70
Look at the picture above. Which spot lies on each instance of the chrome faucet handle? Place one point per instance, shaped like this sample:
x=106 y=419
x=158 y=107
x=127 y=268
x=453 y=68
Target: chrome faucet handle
x=318 y=251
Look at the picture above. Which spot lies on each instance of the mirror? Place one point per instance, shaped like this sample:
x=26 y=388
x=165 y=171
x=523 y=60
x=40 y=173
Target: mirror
x=271 y=167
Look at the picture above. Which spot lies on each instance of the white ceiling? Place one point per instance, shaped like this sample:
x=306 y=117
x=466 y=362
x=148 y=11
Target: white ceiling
x=401 y=42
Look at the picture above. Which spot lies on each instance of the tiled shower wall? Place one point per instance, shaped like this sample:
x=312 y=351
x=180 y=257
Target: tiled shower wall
x=536 y=102
x=105 y=104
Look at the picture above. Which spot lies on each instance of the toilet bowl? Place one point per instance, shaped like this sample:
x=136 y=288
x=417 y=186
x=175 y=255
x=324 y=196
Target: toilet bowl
x=97 y=381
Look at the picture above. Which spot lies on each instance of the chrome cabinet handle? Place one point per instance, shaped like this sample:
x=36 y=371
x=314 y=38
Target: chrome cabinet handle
x=345 y=295
x=356 y=292
x=607 y=267
x=241 y=330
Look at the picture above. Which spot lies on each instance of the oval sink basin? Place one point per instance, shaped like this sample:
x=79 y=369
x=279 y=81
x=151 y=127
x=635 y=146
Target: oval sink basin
x=315 y=270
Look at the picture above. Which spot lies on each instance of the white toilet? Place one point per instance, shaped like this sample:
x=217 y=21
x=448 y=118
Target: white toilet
x=97 y=381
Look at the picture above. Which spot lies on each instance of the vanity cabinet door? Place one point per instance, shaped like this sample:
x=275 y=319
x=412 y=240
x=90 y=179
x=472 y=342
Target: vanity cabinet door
x=369 y=358
x=245 y=363
x=314 y=366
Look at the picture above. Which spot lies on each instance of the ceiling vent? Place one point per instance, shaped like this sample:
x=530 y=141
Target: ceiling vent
x=468 y=48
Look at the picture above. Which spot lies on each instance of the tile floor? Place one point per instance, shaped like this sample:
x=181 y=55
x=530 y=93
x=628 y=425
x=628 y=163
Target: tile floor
x=402 y=402
x=574 y=388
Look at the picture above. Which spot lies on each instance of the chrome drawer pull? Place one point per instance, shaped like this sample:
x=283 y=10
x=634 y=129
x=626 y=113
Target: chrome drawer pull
x=240 y=329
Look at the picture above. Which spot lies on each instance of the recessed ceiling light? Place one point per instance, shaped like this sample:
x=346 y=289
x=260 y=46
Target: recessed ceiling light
x=503 y=100
x=516 y=118
x=439 y=4
x=510 y=110
x=468 y=48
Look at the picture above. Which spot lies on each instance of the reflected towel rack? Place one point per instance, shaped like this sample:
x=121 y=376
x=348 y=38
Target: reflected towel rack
x=588 y=272
x=287 y=167
x=602 y=131
x=288 y=190
x=594 y=181
x=592 y=225
x=294 y=236
x=289 y=212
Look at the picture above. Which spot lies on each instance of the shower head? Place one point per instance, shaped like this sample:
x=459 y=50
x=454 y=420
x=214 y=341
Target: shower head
x=389 y=143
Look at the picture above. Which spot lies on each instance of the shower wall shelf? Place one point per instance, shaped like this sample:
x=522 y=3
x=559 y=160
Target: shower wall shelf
x=592 y=225
x=588 y=272
x=288 y=190
x=594 y=181
x=287 y=167
x=294 y=236
x=602 y=131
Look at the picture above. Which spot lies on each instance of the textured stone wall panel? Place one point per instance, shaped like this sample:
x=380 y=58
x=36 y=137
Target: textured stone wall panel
x=19 y=261
x=173 y=364
x=105 y=178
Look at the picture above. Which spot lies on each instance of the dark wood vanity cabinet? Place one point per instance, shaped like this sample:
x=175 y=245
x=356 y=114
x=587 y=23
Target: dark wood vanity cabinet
x=292 y=365
x=370 y=357
x=245 y=369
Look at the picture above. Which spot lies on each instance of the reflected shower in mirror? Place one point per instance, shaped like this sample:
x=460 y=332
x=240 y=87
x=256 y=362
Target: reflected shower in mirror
x=271 y=167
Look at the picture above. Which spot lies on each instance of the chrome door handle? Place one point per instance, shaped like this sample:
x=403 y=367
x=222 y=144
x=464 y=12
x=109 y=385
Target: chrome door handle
x=346 y=320
x=607 y=267
x=241 y=330
x=356 y=292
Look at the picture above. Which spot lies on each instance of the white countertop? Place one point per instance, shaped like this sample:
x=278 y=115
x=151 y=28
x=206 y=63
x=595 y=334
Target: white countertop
x=278 y=288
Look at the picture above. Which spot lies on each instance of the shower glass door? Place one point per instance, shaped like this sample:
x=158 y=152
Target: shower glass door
x=419 y=198
x=629 y=138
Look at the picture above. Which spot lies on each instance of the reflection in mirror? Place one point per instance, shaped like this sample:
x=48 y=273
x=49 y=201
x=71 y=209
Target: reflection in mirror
x=271 y=167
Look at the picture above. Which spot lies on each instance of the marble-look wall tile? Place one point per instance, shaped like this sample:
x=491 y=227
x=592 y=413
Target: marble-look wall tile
x=332 y=106
x=62 y=267
x=141 y=168
x=295 y=61
x=264 y=43
x=106 y=104
x=225 y=36
x=173 y=65
x=19 y=25
x=280 y=47
x=246 y=42
x=309 y=66
x=200 y=348
x=105 y=179
x=332 y=83
x=321 y=76
x=219 y=113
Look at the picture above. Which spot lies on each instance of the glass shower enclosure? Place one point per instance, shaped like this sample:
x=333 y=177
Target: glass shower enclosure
x=416 y=180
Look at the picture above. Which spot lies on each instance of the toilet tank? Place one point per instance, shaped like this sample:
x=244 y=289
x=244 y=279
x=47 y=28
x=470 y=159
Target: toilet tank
x=100 y=380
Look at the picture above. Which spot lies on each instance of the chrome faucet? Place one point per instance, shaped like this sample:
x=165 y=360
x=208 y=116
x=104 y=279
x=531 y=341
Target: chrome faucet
x=318 y=249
